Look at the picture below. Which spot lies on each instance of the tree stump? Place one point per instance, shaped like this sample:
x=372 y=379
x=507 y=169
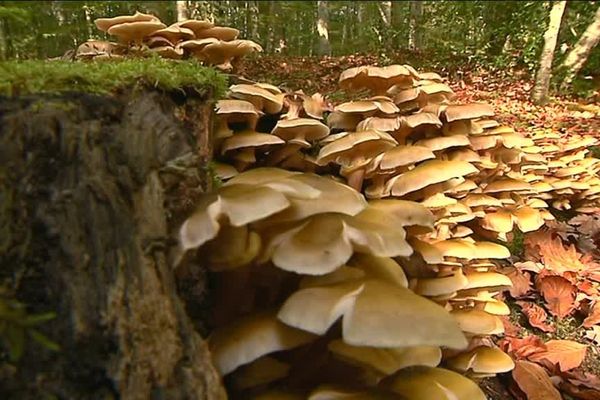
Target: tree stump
x=92 y=191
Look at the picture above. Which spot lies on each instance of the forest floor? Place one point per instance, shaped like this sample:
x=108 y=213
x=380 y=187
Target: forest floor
x=555 y=301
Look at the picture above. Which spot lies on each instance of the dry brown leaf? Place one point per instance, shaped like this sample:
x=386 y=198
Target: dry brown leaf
x=566 y=354
x=510 y=329
x=534 y=381
x=593 y=317
x=521 y=281
x=536 y=316
x=558 y=293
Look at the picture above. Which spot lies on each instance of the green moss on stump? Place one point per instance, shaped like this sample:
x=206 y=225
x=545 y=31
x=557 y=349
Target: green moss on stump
x=28 y=77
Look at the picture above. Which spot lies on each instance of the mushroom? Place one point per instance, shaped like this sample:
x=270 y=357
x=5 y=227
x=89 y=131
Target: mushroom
x=104 y=24
x=374 y=313
x=354 y=151
x=223 y=54
x=482 y=360
x=376 y=79
x=242 y=147
x=136 y=31
x=421 y=383
x=297 y=132
x=263 y=99
x=251 y=338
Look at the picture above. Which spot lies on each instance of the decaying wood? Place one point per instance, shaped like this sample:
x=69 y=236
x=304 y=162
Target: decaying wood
x=98 y=186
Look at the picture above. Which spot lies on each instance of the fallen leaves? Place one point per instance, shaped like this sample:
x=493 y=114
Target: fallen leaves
x=533 y=380
x=536 y=316
x=566 y=354
x=594 y=334
x=521 y=282
x=593 y=317
x=558 y=293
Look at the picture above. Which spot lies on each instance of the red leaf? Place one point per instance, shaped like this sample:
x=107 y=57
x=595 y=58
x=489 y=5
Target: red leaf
x=534 y=381
x=559 y=294
x=566 y=354
x=536 y=316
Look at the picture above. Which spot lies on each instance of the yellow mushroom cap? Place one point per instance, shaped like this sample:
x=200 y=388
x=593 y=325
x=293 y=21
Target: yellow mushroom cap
x=430 y=383
x=482 y=360
x=104 y=24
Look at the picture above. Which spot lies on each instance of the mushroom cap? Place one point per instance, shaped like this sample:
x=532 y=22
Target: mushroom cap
x=302 y=129
x=375 y=314
x=399 y=156
x=224 y=171
x=441 y=285
x=104 y=24
x=500 y=221
x=443 y=142
x=528 y=219
x=386 y=361
x=325 y=242
x=194 y=25
x=405 y=213
x=378 y=79
x=218 y=32
x=241 y=204
x=249 y=139
x=222 y=52
x=334 y=197
x=262 y=99
x=507 y=185
x=135 y=31
x=174 y=33
x=482 y=360
x=331 y=392
x=382 y=268
x=422 y=383
x=468 y=111
x=195 y=46
x=430 y=253
x=362 y=145
x=384 y=124
x=250 y=338
x=477 y=280
x=478 y=322
x=428 y=173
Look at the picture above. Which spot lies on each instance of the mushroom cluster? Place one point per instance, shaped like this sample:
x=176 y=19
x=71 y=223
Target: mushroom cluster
x=312 y=300
x=569 y=180
x=141 y=33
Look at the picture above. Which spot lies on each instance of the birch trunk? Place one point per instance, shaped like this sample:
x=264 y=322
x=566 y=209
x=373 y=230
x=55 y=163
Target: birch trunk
x=182 y=10
x=539 y=94
x=414 y=30
x=323 y=28
x=578 y=56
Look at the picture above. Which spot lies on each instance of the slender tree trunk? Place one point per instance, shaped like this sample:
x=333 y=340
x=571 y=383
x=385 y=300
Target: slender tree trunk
x=414 y=29
x=3 y=46
x=323 y=28
x=254 y=20
x=578 y=56
x=271 y=18
x=182 y=10
x=539 y=94
x=385 y=11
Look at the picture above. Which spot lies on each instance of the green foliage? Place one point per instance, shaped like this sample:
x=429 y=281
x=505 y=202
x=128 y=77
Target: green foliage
x=16 y=325
x=516 y=244
x=21 y=77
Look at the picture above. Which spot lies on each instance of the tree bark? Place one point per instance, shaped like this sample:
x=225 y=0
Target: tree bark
x=414 y=29
x=182 y=10
x=385 y=11
x=539 y=93
x=98 y=186
x=323 y=28
x=578 y=56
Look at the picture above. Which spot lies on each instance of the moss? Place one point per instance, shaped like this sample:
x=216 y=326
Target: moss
x=36 y=76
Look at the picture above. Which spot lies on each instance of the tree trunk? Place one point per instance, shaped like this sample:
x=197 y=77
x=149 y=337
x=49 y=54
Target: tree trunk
x=182 y=10
x=578 y=56
x=385 y=11
x=92 y=190
x=323 y=28
x=254 y=20
x=414 y=28
x=539 y=94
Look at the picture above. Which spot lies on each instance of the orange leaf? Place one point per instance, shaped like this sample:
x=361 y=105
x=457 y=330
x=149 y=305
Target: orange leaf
x=567 y=354
x=593 y=317
x=559 y=294
x=523 y=348
x=534 y=381
x=594 y=334
x=536 y=316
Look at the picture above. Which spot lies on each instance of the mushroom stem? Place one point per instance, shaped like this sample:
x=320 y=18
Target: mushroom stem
x=281 y=154
x=355 y=179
